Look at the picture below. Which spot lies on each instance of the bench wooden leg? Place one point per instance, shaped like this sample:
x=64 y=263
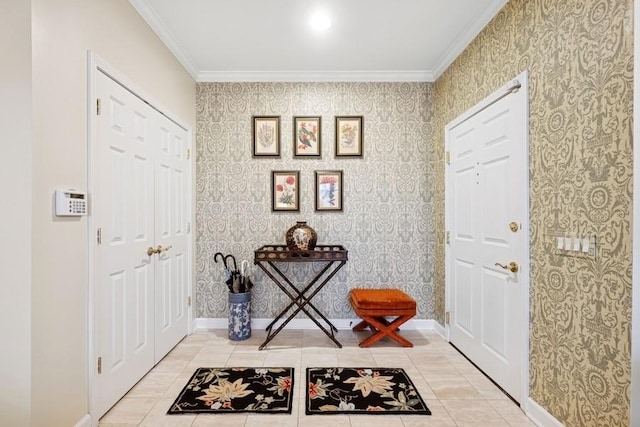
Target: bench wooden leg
x=382 y=328
x=360 y=326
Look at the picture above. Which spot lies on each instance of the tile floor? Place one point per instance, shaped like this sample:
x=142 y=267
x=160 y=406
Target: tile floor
x=455 y=391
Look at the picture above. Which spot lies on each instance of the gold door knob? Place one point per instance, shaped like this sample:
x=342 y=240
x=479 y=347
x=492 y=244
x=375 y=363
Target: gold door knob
x=512 y=267
x=513 y=226
x=160 y=249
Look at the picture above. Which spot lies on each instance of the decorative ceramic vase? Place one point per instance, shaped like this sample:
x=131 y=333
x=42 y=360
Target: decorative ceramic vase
x=301 y=237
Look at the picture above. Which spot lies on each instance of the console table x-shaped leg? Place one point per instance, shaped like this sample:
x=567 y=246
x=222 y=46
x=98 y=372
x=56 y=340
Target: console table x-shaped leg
x=300 y=299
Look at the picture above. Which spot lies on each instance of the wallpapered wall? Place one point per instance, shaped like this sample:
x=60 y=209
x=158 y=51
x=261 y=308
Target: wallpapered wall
x=387 y=222
x=579 y=55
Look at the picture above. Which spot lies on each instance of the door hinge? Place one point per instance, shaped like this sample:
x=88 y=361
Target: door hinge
x=189 y=301
x=447 y=318
x=188 y=154
x=447 y=157
x=98 y=106
x=189 y=227
x=99 y=365
x=99 y=236
x=447 y=237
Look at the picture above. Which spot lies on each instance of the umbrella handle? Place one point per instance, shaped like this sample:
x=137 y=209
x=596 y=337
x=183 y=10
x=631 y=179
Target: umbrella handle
x=235 y=265
x=242 y=265
x=224 y=260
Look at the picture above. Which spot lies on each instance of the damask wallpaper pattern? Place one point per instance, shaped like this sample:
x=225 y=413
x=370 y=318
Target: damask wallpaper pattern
x=387 y=222
x=579 y=57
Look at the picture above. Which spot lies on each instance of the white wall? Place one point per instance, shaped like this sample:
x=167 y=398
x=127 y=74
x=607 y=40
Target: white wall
x=15 y=217
x=63 y=32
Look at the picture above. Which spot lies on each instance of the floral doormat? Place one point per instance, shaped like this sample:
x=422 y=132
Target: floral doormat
x=233 y=390
x=362 y=391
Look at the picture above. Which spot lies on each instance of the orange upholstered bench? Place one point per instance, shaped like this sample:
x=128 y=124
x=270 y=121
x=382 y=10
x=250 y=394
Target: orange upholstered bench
x=373 y=305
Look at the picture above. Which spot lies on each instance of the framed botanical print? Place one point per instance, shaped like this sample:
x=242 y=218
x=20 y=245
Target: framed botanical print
x=266 y=136
x=285 y=191
x=307 y=136
x=349 y=136
x=329 y=190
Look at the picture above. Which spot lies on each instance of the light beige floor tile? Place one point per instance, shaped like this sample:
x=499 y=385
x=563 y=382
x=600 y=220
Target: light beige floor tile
x=439 y=417
x=473 y=413
x=452 y=387
x=283 y=358
x=153 y=384
x=249 y=359
x=375 y=421
x=319 y=359
x=355 y=360
x=324 y=421
x=511 y=413
x=436 y=368
x=173 y=363
x=208 y=360
x=158 y=417
x=178 y=384
x=485 y=387
x=220 y=420
x=129 y=410
x=421 y=385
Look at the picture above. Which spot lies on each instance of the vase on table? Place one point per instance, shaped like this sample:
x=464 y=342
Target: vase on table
x=301 y=237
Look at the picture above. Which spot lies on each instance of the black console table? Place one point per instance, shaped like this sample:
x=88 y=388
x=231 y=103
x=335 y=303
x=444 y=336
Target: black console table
x=335 y=257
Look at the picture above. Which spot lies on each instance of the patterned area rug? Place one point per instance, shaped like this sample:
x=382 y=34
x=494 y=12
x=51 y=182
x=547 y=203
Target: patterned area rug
x=381 y=391
x=233 y=390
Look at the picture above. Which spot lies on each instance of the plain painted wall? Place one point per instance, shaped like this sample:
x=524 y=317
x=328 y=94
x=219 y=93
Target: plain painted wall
x=15 y=217
x=63 y=32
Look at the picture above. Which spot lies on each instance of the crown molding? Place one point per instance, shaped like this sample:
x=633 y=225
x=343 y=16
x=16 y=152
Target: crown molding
x=467 y=37
x=158 y=26
x=315 y=76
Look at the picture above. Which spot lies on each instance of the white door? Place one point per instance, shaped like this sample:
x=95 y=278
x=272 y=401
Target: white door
x=123 y=198
x=139 y=176
x=487 y=196
x=171 y=235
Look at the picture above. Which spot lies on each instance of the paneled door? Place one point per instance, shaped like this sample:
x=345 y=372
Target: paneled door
x=171 y=235
x=487 y=261
x=140 y=257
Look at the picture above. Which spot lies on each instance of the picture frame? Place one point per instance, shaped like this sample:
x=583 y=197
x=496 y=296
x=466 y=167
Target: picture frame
x=285 y=191
x=307 y=136
x=266 y=136
x=349 y=136
x=329 y=190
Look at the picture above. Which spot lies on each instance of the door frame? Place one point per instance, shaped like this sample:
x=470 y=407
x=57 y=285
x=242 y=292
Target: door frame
x=95 y=65
x=523 y=80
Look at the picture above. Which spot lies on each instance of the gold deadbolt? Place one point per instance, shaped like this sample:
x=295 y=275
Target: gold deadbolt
x=512 y=267
x=514 y=226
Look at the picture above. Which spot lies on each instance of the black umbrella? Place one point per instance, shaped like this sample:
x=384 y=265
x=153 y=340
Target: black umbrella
x=228 y=274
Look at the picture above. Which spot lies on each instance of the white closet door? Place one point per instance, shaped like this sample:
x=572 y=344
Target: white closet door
x=140 y=268
x=123 y=197
x=171 y=235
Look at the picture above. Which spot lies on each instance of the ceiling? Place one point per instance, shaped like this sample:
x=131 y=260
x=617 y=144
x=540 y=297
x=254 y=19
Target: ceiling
x=270 y=40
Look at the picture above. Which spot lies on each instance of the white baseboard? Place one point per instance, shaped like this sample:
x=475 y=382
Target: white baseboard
x=540 y=416
x=341 y=324
x=84 y=422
